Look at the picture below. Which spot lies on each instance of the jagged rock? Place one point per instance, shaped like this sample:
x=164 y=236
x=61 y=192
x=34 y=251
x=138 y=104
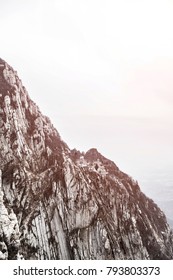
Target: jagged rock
x=61 y=204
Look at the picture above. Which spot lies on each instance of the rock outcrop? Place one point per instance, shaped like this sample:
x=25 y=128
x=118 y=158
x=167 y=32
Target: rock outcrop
x=57 y=203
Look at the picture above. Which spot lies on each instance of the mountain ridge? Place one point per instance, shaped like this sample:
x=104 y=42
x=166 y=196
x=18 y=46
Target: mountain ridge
x=57 y=203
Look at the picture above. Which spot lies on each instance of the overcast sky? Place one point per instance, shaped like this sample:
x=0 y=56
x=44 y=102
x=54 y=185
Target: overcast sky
x=102 y=70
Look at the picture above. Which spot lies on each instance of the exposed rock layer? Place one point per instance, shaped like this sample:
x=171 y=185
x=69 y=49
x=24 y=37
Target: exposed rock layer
x=61 y=204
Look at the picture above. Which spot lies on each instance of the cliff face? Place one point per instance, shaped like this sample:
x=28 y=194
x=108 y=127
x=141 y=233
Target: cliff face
x=57 y=203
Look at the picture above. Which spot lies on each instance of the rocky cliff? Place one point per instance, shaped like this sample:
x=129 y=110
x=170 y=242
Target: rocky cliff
x=57 y=203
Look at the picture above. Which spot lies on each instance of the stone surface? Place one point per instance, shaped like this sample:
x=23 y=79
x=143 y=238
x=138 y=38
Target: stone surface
x=57 y=203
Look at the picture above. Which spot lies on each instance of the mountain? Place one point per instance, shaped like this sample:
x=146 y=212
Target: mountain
x=57 y=203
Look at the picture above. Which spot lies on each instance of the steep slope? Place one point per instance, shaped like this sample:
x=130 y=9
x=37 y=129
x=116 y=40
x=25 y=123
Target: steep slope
x=61 y=204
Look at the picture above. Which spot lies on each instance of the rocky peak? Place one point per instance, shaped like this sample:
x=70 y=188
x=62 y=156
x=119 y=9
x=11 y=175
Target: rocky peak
x=93 y=155
x=61 y=204
x=99 y=162
x=29 y=137
x=2 y=63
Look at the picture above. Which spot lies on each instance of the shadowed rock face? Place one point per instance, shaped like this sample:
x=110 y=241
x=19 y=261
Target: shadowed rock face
x=61 y=204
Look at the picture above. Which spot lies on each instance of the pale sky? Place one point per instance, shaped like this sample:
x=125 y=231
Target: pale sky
x=102 y=70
